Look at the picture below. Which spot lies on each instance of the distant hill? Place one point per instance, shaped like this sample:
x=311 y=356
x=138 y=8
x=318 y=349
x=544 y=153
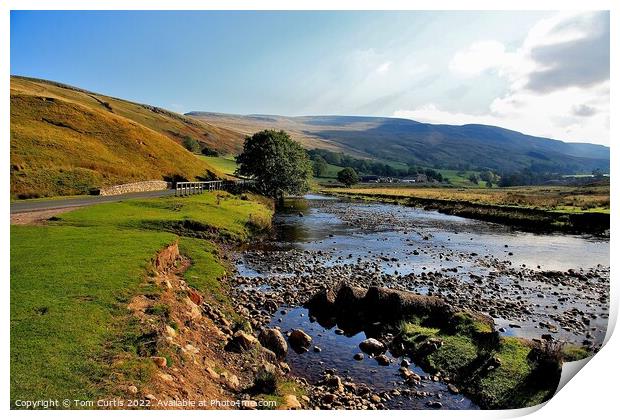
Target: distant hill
x=66 y=140
x=441 y=146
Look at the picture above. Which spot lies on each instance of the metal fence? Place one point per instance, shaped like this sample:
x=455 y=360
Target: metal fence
x=198 y=187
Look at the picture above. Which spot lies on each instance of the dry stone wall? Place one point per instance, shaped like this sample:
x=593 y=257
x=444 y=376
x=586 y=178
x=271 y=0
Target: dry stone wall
x=135 y=187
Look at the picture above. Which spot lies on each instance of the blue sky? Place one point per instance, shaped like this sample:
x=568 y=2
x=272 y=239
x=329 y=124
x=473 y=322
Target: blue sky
x=450 y=67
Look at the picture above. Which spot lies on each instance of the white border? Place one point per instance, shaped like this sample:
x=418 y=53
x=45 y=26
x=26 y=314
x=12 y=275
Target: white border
x=591 y=395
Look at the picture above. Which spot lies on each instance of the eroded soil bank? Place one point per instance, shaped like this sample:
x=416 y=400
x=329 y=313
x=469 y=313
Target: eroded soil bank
x=543 y=288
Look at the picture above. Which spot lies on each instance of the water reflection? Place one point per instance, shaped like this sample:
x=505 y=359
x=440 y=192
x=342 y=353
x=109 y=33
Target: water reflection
x=337 y=350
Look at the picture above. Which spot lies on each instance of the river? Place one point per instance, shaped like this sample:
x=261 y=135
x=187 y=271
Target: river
x=531 y=284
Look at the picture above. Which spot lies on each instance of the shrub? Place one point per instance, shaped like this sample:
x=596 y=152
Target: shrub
x=207 y=151
x=348 y=177
x=265 y=382
x=191 y=144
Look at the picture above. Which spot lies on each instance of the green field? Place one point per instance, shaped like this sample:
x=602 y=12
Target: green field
x=552 y=198
x=332 y=171
x=224 y=164
x=330 y=174
x=71 y=281
x=460 y=178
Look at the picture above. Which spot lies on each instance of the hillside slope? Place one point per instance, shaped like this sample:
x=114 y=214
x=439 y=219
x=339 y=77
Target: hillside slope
x=171 y=124
x=67 y=141
x=440 y=146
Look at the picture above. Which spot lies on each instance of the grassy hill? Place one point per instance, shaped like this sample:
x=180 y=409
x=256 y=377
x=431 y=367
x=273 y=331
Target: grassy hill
x=66 y=140
x=250 y=124
x=396 y=140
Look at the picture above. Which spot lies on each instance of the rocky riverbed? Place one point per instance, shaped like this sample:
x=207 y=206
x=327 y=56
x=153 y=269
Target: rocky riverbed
x=543 y=287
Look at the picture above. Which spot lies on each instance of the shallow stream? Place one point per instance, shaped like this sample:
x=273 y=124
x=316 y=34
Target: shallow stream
x=485 y=266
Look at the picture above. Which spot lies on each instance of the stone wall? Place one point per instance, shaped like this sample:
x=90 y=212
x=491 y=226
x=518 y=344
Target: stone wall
x=135 y=187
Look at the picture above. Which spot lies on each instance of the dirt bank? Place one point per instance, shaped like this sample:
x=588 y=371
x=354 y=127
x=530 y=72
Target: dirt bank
x=198 y=355
x=39 y=217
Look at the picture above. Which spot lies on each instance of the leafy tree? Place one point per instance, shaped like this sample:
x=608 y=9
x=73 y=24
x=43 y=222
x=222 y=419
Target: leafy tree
x=526 y=177
x=473 y=179
x=432 y=174
x=207 y=151
x=348 y=176
x=278 y=164
x=489 y=177
x=191 y=144
x=319 y=166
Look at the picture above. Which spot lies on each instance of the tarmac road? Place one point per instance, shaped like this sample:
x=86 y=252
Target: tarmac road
x=26 y=206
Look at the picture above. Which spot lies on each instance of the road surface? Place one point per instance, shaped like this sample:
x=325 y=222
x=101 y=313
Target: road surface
x=26 y=206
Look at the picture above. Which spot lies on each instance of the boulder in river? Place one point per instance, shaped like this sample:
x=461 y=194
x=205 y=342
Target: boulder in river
x=377 y=302
x=272 y=339
x=372 y=346
x=383 y=360
x=349 y=296
x=299 y=339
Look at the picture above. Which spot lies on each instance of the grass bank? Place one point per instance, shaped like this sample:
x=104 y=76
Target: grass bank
x=570 y=209
x=71 y=281
x=496 y=372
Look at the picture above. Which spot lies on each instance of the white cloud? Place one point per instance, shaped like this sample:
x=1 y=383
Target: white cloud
x=550 y=115
x=384 y=68
x=430 y=113
x=558 y=80
x=480 y=57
